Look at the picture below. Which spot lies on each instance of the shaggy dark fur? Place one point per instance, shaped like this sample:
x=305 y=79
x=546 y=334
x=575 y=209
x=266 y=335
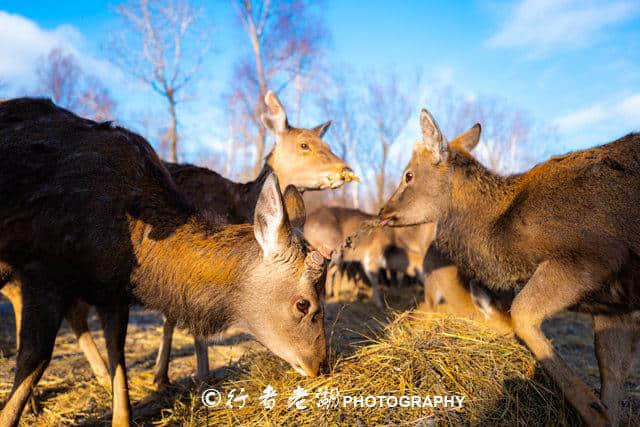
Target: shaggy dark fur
x=89 y=212
x=206 y=188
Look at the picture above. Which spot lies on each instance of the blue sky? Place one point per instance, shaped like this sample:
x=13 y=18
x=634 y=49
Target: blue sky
x=574 y=65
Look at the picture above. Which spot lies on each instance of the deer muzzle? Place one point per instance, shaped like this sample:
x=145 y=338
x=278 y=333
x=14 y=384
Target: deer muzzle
x=336 y=180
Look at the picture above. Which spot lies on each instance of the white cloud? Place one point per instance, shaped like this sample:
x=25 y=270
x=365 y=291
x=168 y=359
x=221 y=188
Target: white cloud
x=545 y=24
x=629 y=108
x=625 y=112
x=24 y=42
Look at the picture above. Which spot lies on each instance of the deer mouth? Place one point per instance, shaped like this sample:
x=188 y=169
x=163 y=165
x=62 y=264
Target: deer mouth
x=304 y=370
x=336 y=180
x=386 y=217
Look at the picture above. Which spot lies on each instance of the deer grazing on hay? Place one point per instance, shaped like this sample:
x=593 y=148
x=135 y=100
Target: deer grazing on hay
x=566 y=234
x=299 y=158
x=89 y=212
x=399 y=249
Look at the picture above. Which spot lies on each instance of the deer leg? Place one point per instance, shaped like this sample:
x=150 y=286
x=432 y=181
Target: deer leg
x=14 y=294
x=77 y=318
x=161 y=370
x=431 y=297
x=372 y=271
x=553 y=288
x=41 y=317
x=400 y=279
x=616 y=342
x=114 y=322
x=336 y=265
x=345 y=281
x=330 y=281
x=202 y=359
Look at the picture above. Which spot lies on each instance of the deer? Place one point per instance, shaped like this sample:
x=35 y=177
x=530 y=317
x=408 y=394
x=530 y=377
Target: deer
x=564 y=235
x=300 y=157
x=90 y=212
x=448 y=290
x=374 y=248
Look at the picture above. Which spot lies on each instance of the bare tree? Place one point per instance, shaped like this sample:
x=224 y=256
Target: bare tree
x=63 y=80
x=506 y=141
x=96 y=100
x=340 y=102
x=505 y=135
x=59 y=77
x=388 y=108
x=285 y=39
x=162 y=43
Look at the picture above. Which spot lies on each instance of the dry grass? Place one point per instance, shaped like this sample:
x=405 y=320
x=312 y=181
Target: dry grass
x=417 y=354
x=412 y=353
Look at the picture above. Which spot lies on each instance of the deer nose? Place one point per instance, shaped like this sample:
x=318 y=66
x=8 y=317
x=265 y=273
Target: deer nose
x=346 y=170
x=385 y=217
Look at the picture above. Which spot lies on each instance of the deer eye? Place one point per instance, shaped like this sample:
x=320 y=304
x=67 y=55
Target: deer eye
x=303 y=306
x=304 y=146
x=408 y=177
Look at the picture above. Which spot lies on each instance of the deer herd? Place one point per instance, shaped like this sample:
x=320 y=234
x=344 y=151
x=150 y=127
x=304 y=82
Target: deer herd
x=91 y=217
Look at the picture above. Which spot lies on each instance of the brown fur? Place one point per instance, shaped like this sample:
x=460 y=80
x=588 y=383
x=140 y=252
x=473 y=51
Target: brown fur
x=447 y=290
x=356 y=239
x=566 y=233
x=306 y=169
x=91 y=213
x=312 y=168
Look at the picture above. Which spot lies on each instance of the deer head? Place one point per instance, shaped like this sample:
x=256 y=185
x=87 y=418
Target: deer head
x=425 y=188
x=300 y=157
x=282 y=303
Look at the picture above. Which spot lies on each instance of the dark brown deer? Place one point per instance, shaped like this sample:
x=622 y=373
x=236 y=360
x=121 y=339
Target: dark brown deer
x=89 y=212
x=566 y=234
x=374 y=248
x=300 y=158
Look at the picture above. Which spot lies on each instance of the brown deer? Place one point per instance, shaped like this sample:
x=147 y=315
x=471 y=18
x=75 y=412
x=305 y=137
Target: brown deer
x=566 y=234
x=300 y=158
x=447 y=290
x=373 y=248
x=89 y=212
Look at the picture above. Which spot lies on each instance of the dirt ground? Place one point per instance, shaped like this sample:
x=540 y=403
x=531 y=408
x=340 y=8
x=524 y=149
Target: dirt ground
x=69 y=394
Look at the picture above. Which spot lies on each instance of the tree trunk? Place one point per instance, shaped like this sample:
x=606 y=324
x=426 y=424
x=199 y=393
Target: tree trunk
x=173 y=130
x=262 y=89
x=383 y=174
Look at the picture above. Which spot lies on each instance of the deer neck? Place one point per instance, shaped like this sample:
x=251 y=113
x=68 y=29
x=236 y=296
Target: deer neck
x=193 y=274
x=468 y=230
x=250 y=191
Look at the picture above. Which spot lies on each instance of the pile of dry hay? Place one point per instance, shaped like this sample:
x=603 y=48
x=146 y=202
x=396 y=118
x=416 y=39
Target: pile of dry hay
x=418 y=354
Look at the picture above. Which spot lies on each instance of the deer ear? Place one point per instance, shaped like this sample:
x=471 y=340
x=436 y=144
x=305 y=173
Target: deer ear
x=480 y=298
x=294 y=205
x=467 y=140
x=276 y=119
x=320 y=130
x=432 y=137
x=270 y=222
